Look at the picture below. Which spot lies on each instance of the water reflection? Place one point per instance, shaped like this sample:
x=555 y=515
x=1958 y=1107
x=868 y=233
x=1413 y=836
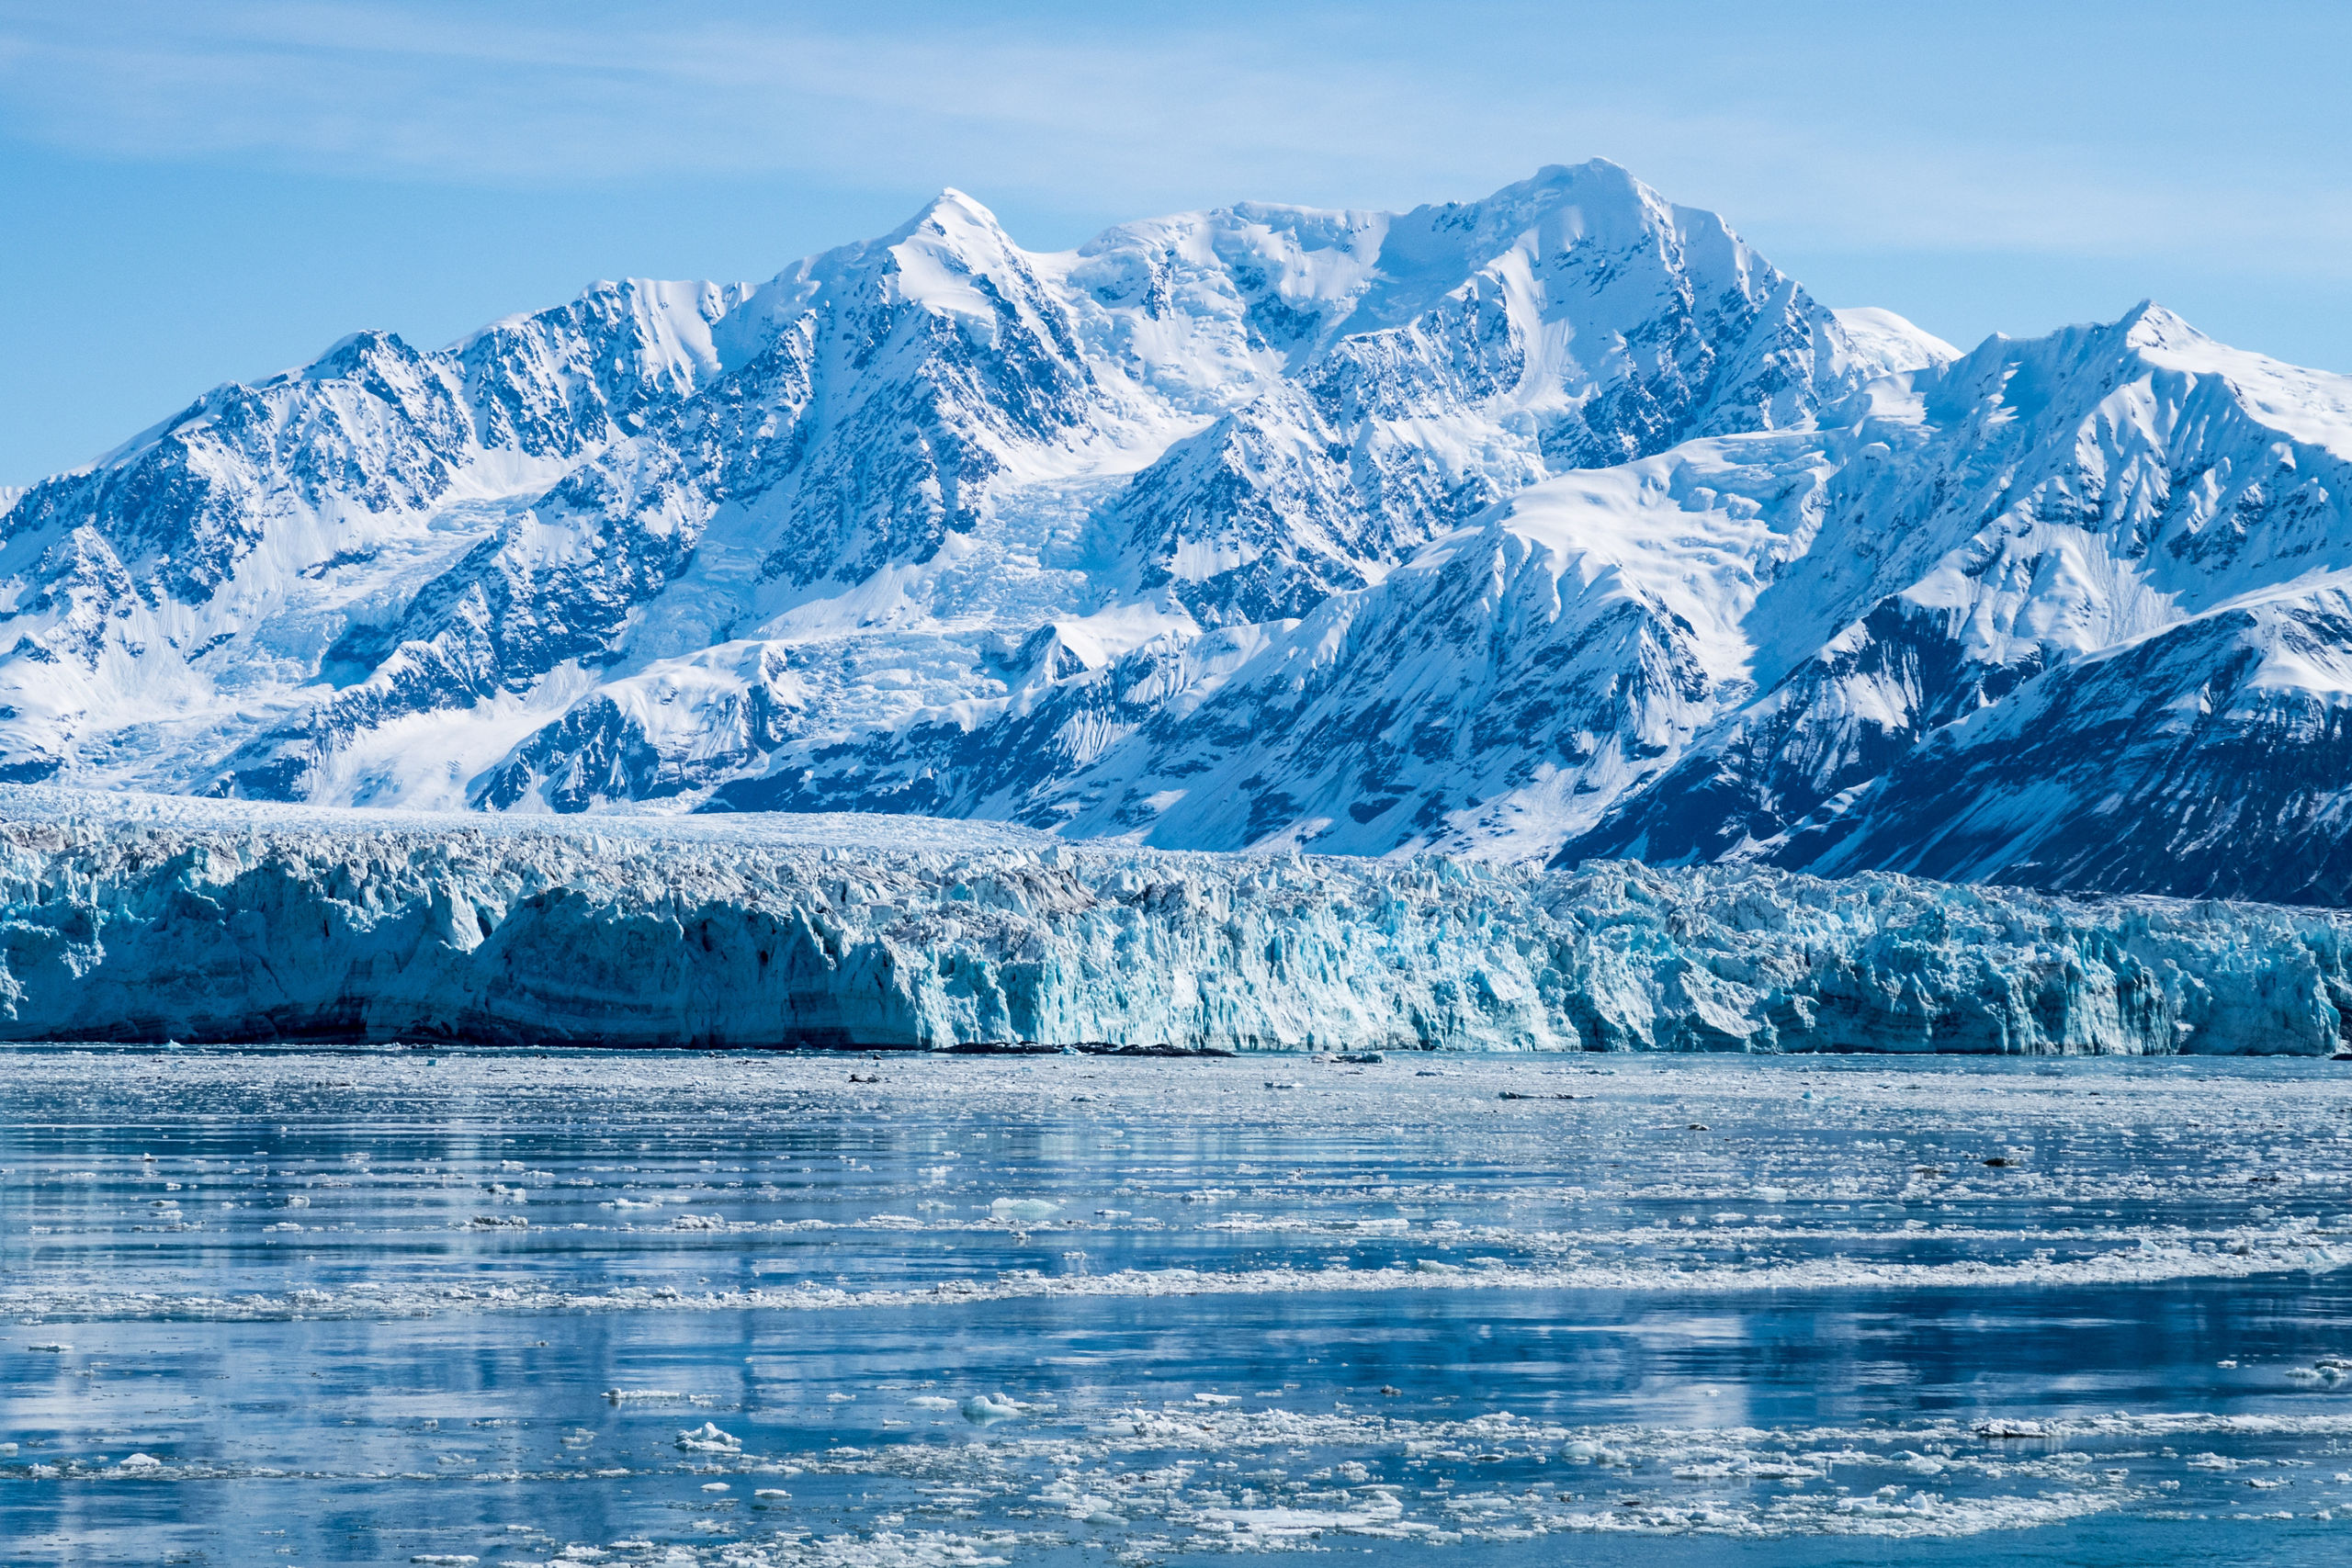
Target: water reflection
x=313 y=1307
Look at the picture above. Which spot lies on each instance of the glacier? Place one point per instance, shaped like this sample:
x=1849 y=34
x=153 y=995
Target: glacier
x=150 y=917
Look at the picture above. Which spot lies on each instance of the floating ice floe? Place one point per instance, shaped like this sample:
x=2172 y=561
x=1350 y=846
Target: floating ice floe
x=984 y=1409
x=707 y=1438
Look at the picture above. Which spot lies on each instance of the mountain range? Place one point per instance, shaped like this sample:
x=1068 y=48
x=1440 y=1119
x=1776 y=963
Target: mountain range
x=1556 y=526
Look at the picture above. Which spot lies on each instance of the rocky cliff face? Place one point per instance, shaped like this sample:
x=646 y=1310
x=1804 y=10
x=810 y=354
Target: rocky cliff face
x=129 y=917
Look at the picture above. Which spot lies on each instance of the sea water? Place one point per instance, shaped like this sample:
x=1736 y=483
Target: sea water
x=290 y=1307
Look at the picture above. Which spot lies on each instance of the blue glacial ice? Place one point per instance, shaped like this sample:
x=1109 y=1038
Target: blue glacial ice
x=156 y=918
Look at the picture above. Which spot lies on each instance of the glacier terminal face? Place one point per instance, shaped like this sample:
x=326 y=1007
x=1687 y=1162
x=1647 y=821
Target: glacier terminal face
x=154 y=918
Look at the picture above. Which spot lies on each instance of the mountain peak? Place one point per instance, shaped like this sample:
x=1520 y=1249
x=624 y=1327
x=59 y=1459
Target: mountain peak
x=952 y=213
x=937 y=252
x=355 y=350
x=1605 y=194
x=1598 y=173
x=2151 y=325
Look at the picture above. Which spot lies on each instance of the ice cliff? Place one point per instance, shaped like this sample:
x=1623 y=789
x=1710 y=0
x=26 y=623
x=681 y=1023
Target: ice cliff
x=133 y=916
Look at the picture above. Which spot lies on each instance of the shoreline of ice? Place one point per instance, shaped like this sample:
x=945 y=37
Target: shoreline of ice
x=142 y=918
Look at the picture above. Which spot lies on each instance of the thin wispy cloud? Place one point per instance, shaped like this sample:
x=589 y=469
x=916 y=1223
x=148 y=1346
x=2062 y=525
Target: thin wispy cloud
x=1124 y=118
x=218 y=188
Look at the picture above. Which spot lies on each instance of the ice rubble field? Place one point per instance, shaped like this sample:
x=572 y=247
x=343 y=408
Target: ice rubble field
x=156 y=918
x=412 y=1306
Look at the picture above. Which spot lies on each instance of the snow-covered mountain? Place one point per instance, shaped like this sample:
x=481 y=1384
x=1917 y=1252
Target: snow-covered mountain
x=2100 y=576
x=1558 y=522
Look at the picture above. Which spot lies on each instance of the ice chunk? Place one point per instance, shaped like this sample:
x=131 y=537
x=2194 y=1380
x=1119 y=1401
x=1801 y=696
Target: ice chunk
x=707 y=1438
x=984 y=1410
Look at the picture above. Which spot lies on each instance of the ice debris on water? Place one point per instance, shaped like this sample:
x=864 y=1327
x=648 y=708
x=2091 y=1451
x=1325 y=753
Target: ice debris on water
x=1382 y=1177
x=136 y=916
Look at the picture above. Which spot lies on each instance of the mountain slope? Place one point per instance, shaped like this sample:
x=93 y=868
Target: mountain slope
x=2210 y=759
x=2031 y=505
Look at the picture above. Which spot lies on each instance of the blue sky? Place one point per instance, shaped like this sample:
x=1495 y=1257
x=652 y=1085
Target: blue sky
x=197 y=193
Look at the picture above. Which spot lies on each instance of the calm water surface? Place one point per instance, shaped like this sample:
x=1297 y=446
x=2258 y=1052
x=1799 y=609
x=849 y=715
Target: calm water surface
x=276 y=1307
